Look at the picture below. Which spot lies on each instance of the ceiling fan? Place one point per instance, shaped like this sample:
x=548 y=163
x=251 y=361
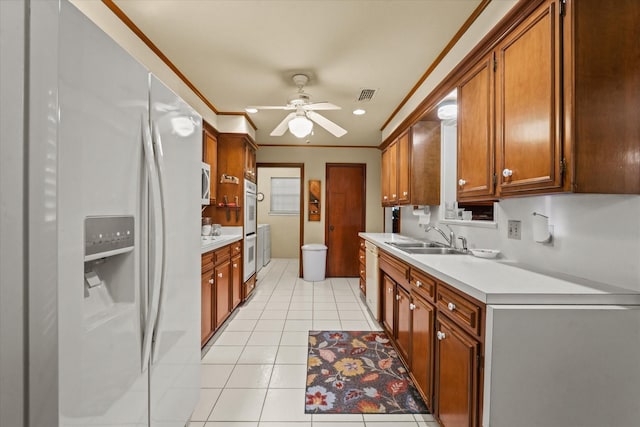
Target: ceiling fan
x=300 y=122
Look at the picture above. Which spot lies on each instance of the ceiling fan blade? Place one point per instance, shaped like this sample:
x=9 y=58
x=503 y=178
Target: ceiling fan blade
x=326 y=123
x=322 y=106
x=270 y=107
x=283 y=126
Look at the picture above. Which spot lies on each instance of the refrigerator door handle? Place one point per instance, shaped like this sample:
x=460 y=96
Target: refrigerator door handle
x=159 y=157
x=152 y=309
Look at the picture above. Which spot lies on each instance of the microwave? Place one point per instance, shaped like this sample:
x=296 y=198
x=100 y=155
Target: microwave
x=206 y=183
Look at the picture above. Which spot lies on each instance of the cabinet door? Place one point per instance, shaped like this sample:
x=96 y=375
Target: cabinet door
x=475 y=133
x=384 y=176
x=222 y=287
x=404 y=169
x=403 y=335
x=528 y=110
x=393 y=174
x=210 y=155
x=388 y=302
x=206 y=307
x=250 y=162
x=456 y=378
x=422 y=328
x=236 y=281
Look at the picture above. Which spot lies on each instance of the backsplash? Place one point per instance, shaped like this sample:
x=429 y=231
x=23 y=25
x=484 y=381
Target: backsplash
x=596 y=236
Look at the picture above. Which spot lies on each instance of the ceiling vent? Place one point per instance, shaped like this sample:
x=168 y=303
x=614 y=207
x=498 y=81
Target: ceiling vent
x=366 y=95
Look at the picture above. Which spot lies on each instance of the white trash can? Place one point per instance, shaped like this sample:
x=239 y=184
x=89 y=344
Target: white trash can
x=314 y=260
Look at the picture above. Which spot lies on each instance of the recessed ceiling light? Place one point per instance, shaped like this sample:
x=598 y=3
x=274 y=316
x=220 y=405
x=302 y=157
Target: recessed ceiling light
x=359 y=112
x=251 y=110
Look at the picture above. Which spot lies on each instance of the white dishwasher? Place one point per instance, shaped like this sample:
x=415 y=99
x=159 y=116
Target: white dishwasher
x=373 y=282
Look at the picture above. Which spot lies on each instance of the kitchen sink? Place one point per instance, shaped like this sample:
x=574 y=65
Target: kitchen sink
x=414 y=245
x=432 y=251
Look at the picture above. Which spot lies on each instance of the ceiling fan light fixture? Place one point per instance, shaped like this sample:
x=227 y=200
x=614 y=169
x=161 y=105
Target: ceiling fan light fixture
x=300 y=126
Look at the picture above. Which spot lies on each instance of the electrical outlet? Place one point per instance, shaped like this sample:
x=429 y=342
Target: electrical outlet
x=514 y=228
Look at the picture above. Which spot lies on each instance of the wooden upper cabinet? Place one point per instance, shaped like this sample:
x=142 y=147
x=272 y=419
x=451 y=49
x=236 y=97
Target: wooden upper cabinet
x=210 y=156
x=528 y=109
x=424 y=153
x=411 y=167
x=403 y=169
x=602 y=96
x=250 y=162
x=475 y=133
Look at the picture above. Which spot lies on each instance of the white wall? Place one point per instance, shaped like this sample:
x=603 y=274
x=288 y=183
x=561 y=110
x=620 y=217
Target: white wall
x=315 y=160
x=285 y=229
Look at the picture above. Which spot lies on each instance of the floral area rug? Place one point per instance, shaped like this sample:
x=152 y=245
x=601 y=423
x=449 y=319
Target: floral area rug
x=355 y=372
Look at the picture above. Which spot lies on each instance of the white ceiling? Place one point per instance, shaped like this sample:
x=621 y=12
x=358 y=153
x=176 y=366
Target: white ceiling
x=244 y=52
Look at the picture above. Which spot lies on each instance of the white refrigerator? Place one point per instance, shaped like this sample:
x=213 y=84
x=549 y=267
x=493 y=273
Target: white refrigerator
x=128 y=193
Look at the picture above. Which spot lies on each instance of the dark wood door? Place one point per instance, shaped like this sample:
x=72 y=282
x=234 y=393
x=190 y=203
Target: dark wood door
x=388 y=302
x=403 y=328
x=528 y=110
x=422 y=346
x=222 y=286
x=345 y=217
x=475 y=133
x=456 y=379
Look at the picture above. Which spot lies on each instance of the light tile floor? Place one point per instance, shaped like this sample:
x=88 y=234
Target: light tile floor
x=254 y=369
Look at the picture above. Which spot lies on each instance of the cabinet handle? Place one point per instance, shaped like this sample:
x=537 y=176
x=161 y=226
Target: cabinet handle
x=219 y=274
x=361 y=257
x=397 y=297
x=389 y=290
x=451 y=306
x=235 y=265
x=507 y=173
x=405 y=193
x=237 y=249
x=418 y=283
x=253 y=286
x=385 y=197
x=211 y=281
x=412 y=306
x=361 y=271
x=441 y=335
x=393 y=195
x=461 y=182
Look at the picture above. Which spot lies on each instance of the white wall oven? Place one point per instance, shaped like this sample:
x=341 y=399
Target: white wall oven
x=250 y=227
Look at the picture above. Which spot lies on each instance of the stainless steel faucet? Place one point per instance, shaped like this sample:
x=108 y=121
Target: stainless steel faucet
x=451 y=240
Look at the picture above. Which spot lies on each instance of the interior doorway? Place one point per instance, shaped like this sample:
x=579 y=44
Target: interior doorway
x=280 y=204
x=346 y=216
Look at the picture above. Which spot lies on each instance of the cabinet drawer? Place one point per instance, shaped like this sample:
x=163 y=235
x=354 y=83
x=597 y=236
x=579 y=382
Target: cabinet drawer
x=221 y=255
x=207 y=261
x=236 y=248
x=396 y=269
x=459 y=308
x=423 y=284
x=249 y=286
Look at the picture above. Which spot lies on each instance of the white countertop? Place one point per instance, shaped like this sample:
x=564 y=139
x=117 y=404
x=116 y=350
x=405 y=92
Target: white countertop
x=219 y=241
x=495 y=281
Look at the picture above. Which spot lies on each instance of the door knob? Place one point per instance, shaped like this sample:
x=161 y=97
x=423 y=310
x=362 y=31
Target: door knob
x=331 y=228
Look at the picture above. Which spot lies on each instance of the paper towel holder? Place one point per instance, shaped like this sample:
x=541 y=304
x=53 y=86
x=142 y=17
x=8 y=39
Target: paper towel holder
x=542 y=231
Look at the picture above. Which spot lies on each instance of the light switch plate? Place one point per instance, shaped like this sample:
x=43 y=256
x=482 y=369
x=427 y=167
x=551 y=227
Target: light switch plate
x=514 y=228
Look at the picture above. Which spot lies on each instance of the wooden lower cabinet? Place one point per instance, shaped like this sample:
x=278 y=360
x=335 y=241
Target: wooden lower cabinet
x=236 y=281
x=220 y=288
x=206 y=306
x=403 y=325
x=457 y=357
x=422 y=327
x=388 y=303
x=438 y=331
